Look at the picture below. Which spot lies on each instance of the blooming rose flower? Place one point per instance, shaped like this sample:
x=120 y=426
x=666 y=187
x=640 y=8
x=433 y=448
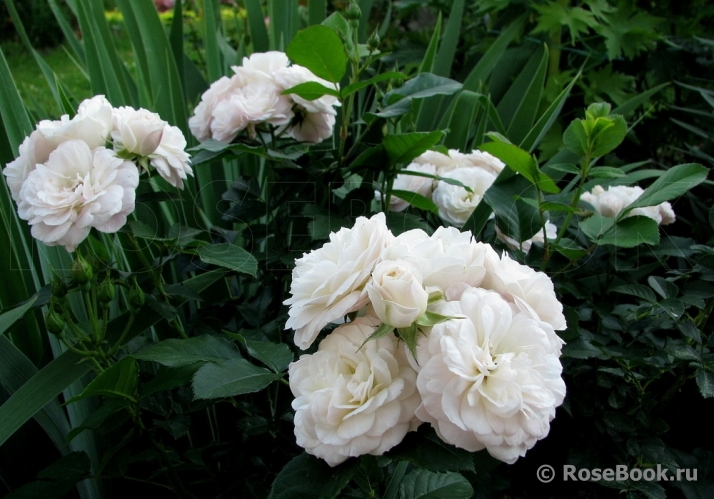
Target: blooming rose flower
x=295 y=75
x=92 y=124
x=448 y=256
x=524 y=286
x=550 y=230
x=610 y=202
x=454 y=202
x=396 y=292
x=77 y=189
x=329 y=282
x=455 y=159
x=311 y=127
x=351 y=401
x=411 y=183
x=490 y=379
x=200 y=122
x=171 y=159
x=261 y=66
x=137 y=131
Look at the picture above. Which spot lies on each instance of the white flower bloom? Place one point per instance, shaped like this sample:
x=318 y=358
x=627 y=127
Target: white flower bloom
x=295 y=75
x=411 y=183
x=455 y=160
x=227 y=120
x=171 y=159
x=396 y=292
x=610 y=202
x=138 y=131
x=261 y=103
x=524 y=286
x=200 y=122
x=490 y=379
x=261 y=66
x=329 y=282
x=550 y=230
x=351 y=401
x=77 y=189
x=92 y=124
x=33 y=150
x=454 y=202
x=449 y=256
x=312 y=127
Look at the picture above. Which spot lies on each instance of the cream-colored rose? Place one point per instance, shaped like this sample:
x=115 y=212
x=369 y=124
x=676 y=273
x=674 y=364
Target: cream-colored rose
x=397 y=293
x=200 y=122
x=329 y=282
x=490 y=379
x=411 y=183
x=295 y=75
x=351 y=401
x=92 y=124
x=311 y=127
x=137 y=131
x=610 y=202
x=171 y=159
x=78 y=189
x=454 y=202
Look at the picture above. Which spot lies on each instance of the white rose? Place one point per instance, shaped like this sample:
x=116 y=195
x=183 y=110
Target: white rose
x=78 y=189
x=550 y=230
x=261 y=65
x=610 y=202
x=442 y=162
x=262 y=103
x=411 y=183
x=33 y=150
x=397 y=293
x=329 y=282
x=200 y=122
x=295 y=75
x=481 y=159
x=138 y=131
x=449 y=256
x=454 y=202
x=227 y=121
x=311 y=127
x=490 y=379
x=455 y=160
x=525 y=287
x=171 y=159
x=351 y=401
x=92 y=124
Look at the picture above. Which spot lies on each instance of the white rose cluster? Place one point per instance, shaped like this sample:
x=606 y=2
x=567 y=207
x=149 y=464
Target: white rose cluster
x=486 y=372
x=610 y=202
x=66 y=180
x=253 y=96
x=477 y=170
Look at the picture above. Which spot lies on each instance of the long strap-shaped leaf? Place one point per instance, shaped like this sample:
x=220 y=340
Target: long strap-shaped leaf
x=15 y=371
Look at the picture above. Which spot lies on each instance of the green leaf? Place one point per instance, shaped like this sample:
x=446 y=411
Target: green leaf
x=118 y=381
x=683 y=352
x=610 y=137
x=673 y=183
x=581 y=349
x=520 y=161
x=301 y=478
x=39 y=391
x=553 y=15
x=169 y=378
x=256 y=25
x=229 y=256
x=277 y=356
x=311 y=90
x=423 y=484
x=7 y=319
x=230 y=378
x=632 y=231
x=638 y=290
x=705 y=382
x=319 y=49
x=98 y=416
x=569 y=249
x=355 y=87
x=432 y=319
x=422 y=86
x=663 y=287
x=341 y=26
x=183 y=352
x=428 y=451
x=462 y=120
x=605 y=172
x=417 y=200
x=403 y=147
x=380 y=332
x=341 y=476
x=409 y=336
x=575 y=138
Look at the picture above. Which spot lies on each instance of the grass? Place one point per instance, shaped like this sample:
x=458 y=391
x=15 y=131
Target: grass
x=35 y=90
